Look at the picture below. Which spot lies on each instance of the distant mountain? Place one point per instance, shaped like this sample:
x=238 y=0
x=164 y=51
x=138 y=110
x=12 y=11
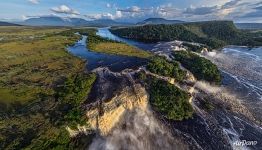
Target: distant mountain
x=109 y=22
x=58 y=21
x=159 y=21
x=45 y=21
x=7 y=24
x=53 y=21
x=249 y=25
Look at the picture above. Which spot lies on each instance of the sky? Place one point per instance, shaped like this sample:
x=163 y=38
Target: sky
x=134 y=10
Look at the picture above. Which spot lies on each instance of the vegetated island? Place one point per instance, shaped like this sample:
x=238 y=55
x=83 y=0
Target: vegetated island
x=100 y=44
x=166 y=98
x=202 y=68
x=214 y=34
x=160 y=66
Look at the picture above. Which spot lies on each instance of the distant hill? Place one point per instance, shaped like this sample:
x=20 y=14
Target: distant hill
x=108 y=22
x=47 y=21
x=159 y=21
x=58 y=21
x=249 y=25
x=7 y=24
x=215 y=34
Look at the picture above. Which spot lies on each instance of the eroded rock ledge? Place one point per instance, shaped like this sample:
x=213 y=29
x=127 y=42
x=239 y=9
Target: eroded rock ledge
x=117 y=97
x=128 y=95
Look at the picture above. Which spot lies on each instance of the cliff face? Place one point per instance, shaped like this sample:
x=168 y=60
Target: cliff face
x=107 y=109
x=125 y=120
x=119 y=112
x=104 y=117
x=127 y=96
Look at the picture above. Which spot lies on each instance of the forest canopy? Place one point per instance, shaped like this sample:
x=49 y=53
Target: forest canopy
x=161 y=66
x=202 y=68
x=214 y=34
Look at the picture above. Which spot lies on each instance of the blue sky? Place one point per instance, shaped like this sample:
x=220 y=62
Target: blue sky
x=134 y=10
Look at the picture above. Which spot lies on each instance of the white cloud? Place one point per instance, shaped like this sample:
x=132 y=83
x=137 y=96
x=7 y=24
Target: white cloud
x=117 y=15
x=100 y=16
x=229 y=9
x=24 y=17
x=230 y=4
x=34 y=1
x=201 y=10
x=63 y=9
x=134 y=9
x=212 y=2
x=226 y=9
x=111 y=5
x=130 y=9
x=108 y=5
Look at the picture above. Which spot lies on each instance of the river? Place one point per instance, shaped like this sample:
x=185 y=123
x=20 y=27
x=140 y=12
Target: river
x=241 y=63
x=104 y=32
x=241 y=68
x=95 y=60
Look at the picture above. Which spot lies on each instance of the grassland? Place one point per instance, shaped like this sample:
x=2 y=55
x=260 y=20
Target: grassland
x=30 y=67
x=42 y=87
x=8 y=34
x=120 y=49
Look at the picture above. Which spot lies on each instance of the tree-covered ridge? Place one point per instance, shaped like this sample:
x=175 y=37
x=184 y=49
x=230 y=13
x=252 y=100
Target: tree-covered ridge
x=202 y=68
x=161 y=66
x=169 y=100
x=214 y=34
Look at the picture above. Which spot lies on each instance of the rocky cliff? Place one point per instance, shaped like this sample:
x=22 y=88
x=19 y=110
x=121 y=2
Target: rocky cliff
x=119 y=112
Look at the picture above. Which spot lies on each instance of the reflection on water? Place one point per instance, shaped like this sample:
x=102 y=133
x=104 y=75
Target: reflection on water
x=104 y=32
x=94 y=60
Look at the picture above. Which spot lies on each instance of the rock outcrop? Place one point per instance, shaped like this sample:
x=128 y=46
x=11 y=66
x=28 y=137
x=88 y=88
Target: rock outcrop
x=106 y=111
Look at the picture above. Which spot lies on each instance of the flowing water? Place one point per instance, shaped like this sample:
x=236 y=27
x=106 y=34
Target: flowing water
x=241 y=68
x=241 y=87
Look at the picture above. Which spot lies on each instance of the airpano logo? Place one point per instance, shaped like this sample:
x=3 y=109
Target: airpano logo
x=245 y=143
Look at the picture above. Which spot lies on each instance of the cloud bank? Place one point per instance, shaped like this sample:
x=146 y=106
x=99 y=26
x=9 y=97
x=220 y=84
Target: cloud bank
x=34 y=1
x=237 y=10
x=63 y=9
x=228 y=10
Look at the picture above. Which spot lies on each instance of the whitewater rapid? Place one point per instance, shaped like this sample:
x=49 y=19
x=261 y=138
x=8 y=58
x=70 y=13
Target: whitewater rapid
x=236 y=115
x=241 y=68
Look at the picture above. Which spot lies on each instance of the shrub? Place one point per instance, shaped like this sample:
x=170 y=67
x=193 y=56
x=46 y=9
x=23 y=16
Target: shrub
x=161 y=66
x=202 y=68
x=169 y=100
